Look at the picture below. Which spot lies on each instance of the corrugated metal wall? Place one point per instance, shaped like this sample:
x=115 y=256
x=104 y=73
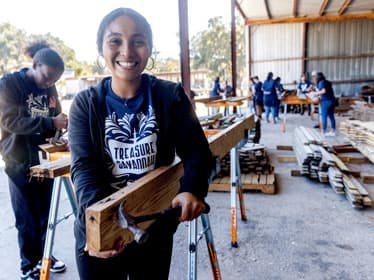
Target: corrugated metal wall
x=275 y=42
x=342 y=38
x=284 y=41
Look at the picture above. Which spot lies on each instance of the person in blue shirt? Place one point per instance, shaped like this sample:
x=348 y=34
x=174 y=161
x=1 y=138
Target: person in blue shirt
x=303 y=88
x=122 y=128
x=216 y=90
x=270 y=97
x=30 y=112
x=279 y=90
x=326 y=94
x=258 y=96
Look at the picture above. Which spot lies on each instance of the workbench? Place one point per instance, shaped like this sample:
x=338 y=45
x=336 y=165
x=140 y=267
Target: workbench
x=57 y=167
x=295 y=100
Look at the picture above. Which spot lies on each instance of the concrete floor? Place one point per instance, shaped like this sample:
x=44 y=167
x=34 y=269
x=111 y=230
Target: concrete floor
x=305 y=231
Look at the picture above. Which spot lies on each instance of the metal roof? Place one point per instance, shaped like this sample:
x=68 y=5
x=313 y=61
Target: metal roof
x=271 y=11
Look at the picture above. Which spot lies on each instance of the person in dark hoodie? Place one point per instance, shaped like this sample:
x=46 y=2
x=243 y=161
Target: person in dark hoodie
x=126 y=111
x=29 y=114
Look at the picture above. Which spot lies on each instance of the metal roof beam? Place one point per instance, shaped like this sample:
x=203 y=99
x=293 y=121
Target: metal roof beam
x=295 y=5
x=267 y=9
x=241 y=12
x=323 y=7
x=310 y=19
x=344 y=7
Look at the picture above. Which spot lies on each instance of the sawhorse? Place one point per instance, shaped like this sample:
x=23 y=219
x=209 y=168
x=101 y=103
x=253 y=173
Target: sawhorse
x=193 y=237
x=53 y=221
x=54 y=170
x=236 y=188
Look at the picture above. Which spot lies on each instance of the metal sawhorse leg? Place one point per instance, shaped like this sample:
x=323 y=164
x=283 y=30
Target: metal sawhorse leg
x=53 y=221
x=194 y=238
x=236 y=188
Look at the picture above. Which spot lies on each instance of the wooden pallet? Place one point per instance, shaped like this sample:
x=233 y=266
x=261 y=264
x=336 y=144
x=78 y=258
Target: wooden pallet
x=261 y=182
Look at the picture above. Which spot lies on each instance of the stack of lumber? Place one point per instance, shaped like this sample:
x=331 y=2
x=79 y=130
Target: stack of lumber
x=345 y=103
x=361 y=136
x=360 y=110
x=318 y=161
x=252 y=159
x=355 y=192
x=218 y=121
x=256 y=171
x=309 y=147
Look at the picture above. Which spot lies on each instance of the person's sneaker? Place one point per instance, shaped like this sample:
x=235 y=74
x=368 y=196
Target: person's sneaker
x=330 y=134
x=32 y=274
x=57 y=266
x=316 y=126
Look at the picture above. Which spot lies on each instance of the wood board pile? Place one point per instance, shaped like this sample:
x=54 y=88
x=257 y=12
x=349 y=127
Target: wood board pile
x=252 y=159
x=318 y=162
x=361 y=136
x=256 y=171
x=361 y=110
x=345 y=103
x=218 y=121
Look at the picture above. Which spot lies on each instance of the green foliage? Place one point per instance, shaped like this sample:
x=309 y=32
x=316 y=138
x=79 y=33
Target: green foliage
x=211 y=49
x=13 y=41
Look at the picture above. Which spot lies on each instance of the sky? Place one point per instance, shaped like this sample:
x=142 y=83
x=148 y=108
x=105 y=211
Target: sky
x=76 y=21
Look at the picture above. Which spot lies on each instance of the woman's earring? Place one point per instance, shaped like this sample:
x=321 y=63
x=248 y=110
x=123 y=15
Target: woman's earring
x=100 y=62
x=150 y=64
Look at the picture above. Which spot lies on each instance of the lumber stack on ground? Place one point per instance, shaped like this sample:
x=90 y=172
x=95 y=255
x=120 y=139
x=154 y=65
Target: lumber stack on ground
x=151 y=193
x=252 y=181
x=361 y=110
x=257 y=173
x=361 y=136
x=317 y=161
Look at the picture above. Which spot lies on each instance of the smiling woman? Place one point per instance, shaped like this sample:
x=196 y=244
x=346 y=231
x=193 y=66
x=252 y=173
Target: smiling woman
x=125 y=126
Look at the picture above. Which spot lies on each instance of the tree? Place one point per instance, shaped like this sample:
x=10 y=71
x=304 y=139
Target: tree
x=211 y=49
x=13 y=41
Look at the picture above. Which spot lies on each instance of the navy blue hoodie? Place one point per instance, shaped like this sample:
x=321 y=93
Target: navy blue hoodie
x=179 y=133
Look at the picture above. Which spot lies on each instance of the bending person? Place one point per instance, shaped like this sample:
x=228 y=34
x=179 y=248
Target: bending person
x=29 y=113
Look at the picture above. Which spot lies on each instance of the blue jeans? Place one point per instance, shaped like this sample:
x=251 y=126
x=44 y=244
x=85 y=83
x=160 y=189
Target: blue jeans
x=327 y=110
x=30 y=202
x=269 y=109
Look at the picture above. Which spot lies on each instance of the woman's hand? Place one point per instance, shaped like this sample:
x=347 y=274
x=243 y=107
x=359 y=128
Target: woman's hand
x=118 y=249
x=60 y=121
x=192 y=207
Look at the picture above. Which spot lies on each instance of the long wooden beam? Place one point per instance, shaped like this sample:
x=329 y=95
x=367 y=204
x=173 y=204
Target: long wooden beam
x=344 y=7
x=310 y=19
x=323 y=7
x=151 y=193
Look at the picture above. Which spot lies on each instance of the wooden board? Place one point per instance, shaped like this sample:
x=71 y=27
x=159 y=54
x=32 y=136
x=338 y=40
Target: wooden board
x=296 y=173
x=284 y=148
x=286 y=158
x=367 y=178
x=51 y=169
x=353 y=159
x=50 y=148
x=260 y=182
x=151 y=193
